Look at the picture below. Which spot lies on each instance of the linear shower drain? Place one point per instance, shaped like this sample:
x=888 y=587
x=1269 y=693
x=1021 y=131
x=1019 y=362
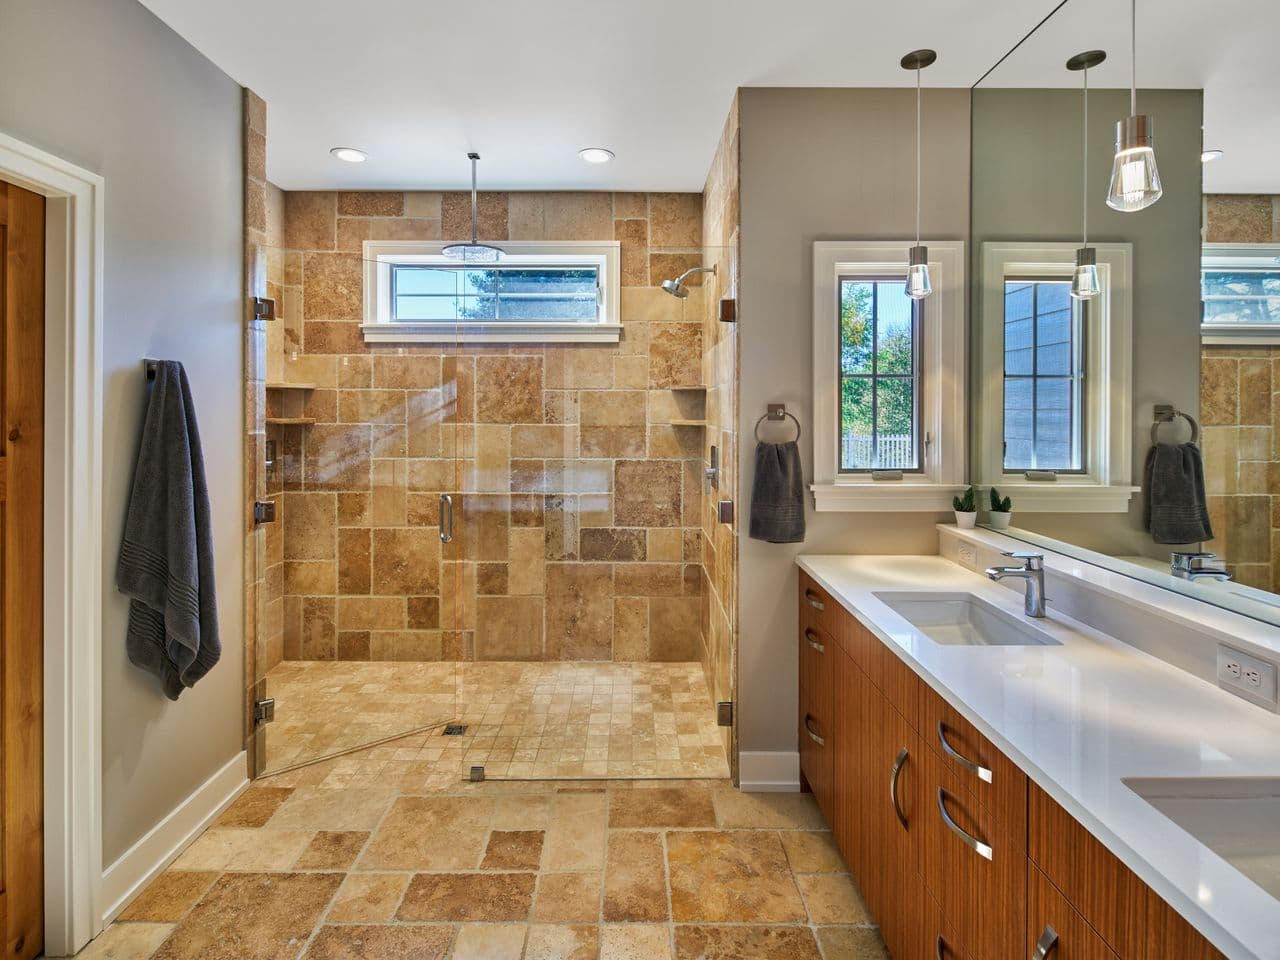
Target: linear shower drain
x=454 y=729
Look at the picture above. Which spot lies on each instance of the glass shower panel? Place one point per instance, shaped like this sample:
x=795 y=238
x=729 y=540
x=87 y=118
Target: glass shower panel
x=352 y=581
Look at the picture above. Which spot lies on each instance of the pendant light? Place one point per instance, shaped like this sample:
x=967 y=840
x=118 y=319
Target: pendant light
x=1084 y=282
x=1135 y=182
x=918 y=285
x=475 y=251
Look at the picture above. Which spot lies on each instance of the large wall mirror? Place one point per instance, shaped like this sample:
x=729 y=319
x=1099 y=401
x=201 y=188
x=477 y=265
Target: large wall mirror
x=1178 y=342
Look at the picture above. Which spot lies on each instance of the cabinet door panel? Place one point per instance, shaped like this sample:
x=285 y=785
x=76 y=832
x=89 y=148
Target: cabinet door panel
x=816 y=741
x=848 y=711
x=1169 y=935
x=1051 y=919
x=893 y=782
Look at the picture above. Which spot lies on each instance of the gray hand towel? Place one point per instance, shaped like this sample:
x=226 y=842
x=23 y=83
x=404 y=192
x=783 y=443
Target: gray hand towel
x=1175 y=510
x=166 y=557
x=777 y=497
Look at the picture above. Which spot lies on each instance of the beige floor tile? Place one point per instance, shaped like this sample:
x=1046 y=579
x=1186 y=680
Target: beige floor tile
x=333 y=850
x=489 y=941
x=736 y=810
x=513 y=850
x=380 y=942
x=567 y=898
x=126 y=941
x=468 y=897
x=832 y=898
x=576 y=838
x=521 y=813
x=635 y=888
x=368 y=896
x=169 y=896
x=851 y=943
x=739 y=876
x=430 y=833
x=254 y=807
x=561 y=942
x=244 y=848
x=662 y=807
x=314 y=808
x=810 y=851
x=740 y=943
x=635 y=941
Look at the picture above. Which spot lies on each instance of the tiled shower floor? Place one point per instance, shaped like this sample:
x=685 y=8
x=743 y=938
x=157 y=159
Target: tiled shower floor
x=523 y=720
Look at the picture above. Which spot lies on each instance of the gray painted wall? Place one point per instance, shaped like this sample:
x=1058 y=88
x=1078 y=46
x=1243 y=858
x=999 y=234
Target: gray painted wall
x=830 y=164
x=1026 y=186
x=107 y=86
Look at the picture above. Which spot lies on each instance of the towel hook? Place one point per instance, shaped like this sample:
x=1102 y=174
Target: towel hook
x=777 y=411
x=1167 y=413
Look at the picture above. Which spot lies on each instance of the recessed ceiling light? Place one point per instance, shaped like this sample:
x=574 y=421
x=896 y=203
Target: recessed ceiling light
x=1210 y=155
x=349 y=154
x=596 y=154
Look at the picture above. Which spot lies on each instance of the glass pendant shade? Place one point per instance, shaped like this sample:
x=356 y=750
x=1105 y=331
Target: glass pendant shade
x=1135 y=181
x=918 y=285
x=1084 y=282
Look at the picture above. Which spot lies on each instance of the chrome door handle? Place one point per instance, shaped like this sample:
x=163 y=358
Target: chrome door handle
x=811 y=598
x=808 y=728
x=1046 y=944
x=446 y=518
x=977 y=769
x=813 y=642
x=982 y=849
x=894 y=774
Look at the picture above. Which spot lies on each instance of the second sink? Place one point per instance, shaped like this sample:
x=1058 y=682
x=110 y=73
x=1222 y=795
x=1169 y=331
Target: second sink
x=962 y=619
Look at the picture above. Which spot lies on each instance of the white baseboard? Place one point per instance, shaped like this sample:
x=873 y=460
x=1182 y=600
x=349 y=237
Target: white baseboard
x=162 y=844
x=769 y=771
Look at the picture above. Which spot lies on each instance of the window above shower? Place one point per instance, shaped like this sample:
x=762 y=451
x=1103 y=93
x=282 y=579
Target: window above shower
x=565 y=292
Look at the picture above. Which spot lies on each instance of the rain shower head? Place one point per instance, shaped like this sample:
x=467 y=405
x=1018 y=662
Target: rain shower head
x=475 y=251
x=677 y=288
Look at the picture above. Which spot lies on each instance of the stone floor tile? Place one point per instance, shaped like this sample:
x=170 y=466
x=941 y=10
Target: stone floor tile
x=635 y=888
x=741 y=876
x=430 y=833
x=243 y=848
x=125 y=941
x=812 y=851
x=513 y=850
x=369 y=897
x=567 y=898
x=458 y=897
x=489 y=941
x=736 y=810
x=852 y=943
x=333 y=850
x=832 y=898
x=562 y=942
x=169 y=896
x=399 y=941
x=314 y=808
x=635 y=941
x=664 y=807
x=743 y=942
x=254 y=807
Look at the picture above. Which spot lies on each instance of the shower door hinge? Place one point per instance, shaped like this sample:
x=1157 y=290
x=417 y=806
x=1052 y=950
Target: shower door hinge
x=264 y=711
x=729 y=310
x=724 y=713
x=264 y=308
x=264 y=511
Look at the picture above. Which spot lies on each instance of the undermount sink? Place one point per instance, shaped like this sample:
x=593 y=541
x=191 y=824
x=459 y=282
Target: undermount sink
x=957 y=619
x=1238 y=818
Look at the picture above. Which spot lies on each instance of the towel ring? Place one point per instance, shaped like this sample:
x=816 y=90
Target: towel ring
x=1195 y=427
x=785 y=413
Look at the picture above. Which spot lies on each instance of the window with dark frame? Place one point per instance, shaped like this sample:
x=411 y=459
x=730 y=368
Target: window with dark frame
x=880 y=332
x=1043 y=376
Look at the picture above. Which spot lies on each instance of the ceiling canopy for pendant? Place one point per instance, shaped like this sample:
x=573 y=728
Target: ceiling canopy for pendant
x=918 y=284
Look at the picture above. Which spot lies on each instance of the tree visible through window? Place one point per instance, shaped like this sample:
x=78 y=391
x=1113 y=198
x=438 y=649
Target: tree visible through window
x=879 y=376
x=1043 y=377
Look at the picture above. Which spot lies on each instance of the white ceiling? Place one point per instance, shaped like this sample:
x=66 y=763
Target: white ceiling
x=417 y=84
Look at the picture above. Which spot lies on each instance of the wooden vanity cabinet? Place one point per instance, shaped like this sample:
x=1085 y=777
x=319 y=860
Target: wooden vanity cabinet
x=957 y=854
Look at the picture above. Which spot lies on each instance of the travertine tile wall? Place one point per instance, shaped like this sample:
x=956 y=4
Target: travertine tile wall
x=1240 y=417
x=720 y=373
x=578 y=504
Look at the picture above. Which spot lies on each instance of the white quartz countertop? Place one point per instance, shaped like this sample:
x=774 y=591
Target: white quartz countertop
x=1080 y=717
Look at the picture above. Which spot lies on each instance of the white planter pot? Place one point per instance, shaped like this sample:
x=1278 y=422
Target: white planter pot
x=1000 y=520
x=966 y=520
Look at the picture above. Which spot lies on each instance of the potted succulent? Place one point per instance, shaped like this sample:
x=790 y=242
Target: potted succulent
x=1001 y=510
x=966 y=508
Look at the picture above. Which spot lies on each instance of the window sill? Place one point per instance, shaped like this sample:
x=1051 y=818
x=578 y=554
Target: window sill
x=878 y=496
x=504 y=332
x=1063 y=497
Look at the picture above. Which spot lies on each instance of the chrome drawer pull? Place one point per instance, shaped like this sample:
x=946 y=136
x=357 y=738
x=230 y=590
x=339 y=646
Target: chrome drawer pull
x=977 y=769
x=820 y=741
x=811 y=598
x=982 y=849
x=813 y=641
x=1046 y=944
x=893 y=786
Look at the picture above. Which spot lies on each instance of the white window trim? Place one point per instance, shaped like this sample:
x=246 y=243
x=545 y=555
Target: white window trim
x=379 y=328
x=1105 y=486
x=1238 y=255
x=942 y=378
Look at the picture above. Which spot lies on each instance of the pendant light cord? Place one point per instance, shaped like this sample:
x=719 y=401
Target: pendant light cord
x=1133 y=58
x=1085 y=139
x=918 y=128
x=475 y=214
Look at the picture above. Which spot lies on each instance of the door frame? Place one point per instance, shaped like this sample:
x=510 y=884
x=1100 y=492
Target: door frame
x=73 y=538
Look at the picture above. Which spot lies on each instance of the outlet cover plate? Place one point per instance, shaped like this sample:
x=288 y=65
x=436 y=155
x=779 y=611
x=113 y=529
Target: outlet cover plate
x=1236 y=670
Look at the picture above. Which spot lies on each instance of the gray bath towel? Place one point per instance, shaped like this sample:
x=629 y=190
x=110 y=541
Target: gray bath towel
x=777 y=498
x=166 y=557
x=1175 y=510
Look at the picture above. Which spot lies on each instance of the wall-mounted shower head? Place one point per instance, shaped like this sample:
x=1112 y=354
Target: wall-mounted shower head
x=677 y=288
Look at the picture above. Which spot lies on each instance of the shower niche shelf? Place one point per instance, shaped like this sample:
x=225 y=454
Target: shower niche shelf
x=287 y=404
x=271 y=385
x=290 y=421
x=688 y=423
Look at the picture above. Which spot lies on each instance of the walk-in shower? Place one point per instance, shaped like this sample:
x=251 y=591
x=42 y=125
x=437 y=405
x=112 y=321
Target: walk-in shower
x=677 y=286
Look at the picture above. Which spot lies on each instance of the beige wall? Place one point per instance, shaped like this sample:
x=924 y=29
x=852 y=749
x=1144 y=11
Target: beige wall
x=107 y=86
x=578 y=505
x=820 y=165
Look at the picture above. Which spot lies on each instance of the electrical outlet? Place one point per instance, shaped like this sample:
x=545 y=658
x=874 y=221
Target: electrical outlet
x=968 y=555
x=1246 y=676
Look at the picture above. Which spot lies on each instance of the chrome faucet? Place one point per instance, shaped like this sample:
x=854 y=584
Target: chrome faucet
x=1033 y=573
x=1198 y=566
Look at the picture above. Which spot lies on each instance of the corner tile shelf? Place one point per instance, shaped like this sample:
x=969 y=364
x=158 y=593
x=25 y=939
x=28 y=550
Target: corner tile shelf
x=290 y=386
x=688 y=423
x=290 y=421
x=692 y=388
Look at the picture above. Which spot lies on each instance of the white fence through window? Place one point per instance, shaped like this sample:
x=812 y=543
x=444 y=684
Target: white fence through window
x=895 y=453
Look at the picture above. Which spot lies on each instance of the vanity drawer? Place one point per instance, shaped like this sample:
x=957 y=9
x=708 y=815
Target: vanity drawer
x=817 y=607
x=1106 y=893
x=982 y=770
x=1055 y=929
x=900 y=684
x=816 y=716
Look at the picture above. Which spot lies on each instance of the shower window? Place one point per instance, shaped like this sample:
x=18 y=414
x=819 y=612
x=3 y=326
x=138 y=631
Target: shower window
x=879 y=376
x=1240 y=293
x=537 y=292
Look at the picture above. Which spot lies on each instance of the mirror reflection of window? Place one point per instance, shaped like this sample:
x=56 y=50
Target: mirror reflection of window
x=1043 y=377
x=879 y=376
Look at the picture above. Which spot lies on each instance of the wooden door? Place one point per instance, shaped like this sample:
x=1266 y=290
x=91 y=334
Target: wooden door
x=21 y=571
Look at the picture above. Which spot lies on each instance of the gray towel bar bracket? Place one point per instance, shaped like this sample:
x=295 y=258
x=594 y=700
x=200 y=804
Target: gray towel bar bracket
x=1167 y=413
x=777 y=411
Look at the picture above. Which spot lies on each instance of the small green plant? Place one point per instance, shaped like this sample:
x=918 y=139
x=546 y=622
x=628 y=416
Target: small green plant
x=968 y=503
x=1000 y=504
